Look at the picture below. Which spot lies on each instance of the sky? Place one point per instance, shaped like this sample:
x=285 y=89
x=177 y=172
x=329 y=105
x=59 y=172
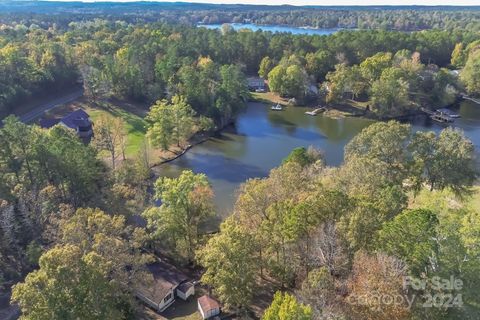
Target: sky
x=333 y=2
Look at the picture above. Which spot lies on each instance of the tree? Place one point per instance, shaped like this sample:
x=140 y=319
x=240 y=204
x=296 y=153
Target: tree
x=160 y=125
x=410 y=236
x=375 y=278
x=183 y=119
x=232 y=94
x=381 y=148
x=288 y=78
x=230 y=263
x=470 y=75
x=338 y=82
x=286 y=307
x=266 y=65
x=275 y=79
x=458 y=56
x=318 y=290
x=186 y=202
x=390 y=93
x=92 y=230
x=372 y=67
x=303 y=156
x=69 y=285
x=446 y=161
x=170 y=122
x=110 y=136
x=318 y=64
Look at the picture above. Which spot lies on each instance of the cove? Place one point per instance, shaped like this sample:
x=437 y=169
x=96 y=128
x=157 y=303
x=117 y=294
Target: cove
x=262 y=138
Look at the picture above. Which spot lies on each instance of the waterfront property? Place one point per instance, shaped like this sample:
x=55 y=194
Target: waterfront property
x=168 y=283
x=256 y=84
x=78 y=120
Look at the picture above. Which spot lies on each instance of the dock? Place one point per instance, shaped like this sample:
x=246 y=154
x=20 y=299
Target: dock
x=448 y=112
x=438 y=116
x=465 y=97
x=315 y=112
x=443 y=118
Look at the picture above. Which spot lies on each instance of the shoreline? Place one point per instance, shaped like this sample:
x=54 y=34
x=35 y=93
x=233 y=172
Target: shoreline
x=197 y=139
x=334 y=112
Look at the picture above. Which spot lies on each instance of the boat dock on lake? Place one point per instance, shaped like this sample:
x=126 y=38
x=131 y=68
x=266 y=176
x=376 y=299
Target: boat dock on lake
x=465 y=97
x=316 y=111
x=448 y=112
x=438 y=116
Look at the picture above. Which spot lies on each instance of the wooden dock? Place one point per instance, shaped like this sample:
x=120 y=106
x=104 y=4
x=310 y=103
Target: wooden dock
x=465 y=97
x=316 y=111
x=438 y=116
x=441 y=118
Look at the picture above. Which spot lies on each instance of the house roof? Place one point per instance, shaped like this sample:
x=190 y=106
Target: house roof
x=73 y=120
x=48 y=123
x=207 y=303
x=76 y=119
x=184 y=287
x=165 y=278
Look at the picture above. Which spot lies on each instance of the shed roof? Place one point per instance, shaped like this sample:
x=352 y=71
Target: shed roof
x=207 y=303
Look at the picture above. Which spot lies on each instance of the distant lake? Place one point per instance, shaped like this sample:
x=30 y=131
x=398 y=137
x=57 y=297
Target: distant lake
x=273 y=28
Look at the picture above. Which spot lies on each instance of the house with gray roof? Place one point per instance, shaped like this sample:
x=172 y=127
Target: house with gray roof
x=167 y=284
x=78 y=120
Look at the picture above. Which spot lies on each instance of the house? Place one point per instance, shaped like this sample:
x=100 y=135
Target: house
x=208 y=307
x=167 y=284
x=77 y=120
x=256 y=84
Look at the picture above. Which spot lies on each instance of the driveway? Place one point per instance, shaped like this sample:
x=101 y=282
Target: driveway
x=41 y=109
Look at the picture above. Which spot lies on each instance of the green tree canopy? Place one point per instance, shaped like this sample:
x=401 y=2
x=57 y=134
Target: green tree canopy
x=186 y=202
x=230 y=264
x=286 y=307
x=69 y=285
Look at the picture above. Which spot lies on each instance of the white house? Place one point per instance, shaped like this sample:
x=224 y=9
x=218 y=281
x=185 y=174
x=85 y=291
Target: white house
x=167 y=284
x=208 y=307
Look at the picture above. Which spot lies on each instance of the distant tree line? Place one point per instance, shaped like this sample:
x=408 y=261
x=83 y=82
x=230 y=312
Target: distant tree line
x=156 y=61
x=401 y=18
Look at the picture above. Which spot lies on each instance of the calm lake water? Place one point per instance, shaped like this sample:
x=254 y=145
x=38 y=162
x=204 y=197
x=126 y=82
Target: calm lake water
x=275 y=29
x=261 y=138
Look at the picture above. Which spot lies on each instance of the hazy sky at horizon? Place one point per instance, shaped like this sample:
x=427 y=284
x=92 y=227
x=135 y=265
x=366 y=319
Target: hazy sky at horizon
x=325 y=2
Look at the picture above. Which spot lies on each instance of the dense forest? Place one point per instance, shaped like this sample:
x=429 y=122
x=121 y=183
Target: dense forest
x=396 y=218
x=150 y=62
x=399 y=208
x=402 y=18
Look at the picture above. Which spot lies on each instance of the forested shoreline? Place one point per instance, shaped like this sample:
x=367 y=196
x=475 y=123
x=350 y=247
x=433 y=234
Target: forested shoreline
x=79 y=222
x=400 y=18
x=146 y=63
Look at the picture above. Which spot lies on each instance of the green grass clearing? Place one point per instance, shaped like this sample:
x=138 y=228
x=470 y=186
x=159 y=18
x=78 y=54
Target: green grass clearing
x=134 y=124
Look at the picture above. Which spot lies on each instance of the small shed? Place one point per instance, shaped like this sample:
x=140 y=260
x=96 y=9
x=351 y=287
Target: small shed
x=208 y=307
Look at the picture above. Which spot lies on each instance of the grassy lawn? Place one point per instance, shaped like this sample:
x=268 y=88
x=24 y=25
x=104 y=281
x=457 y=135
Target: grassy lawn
x=134 y=125
x=132 y=116
x=268 y=98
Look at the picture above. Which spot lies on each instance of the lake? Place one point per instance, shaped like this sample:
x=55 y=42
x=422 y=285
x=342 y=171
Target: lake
x=262 y=138
x=272 y=28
